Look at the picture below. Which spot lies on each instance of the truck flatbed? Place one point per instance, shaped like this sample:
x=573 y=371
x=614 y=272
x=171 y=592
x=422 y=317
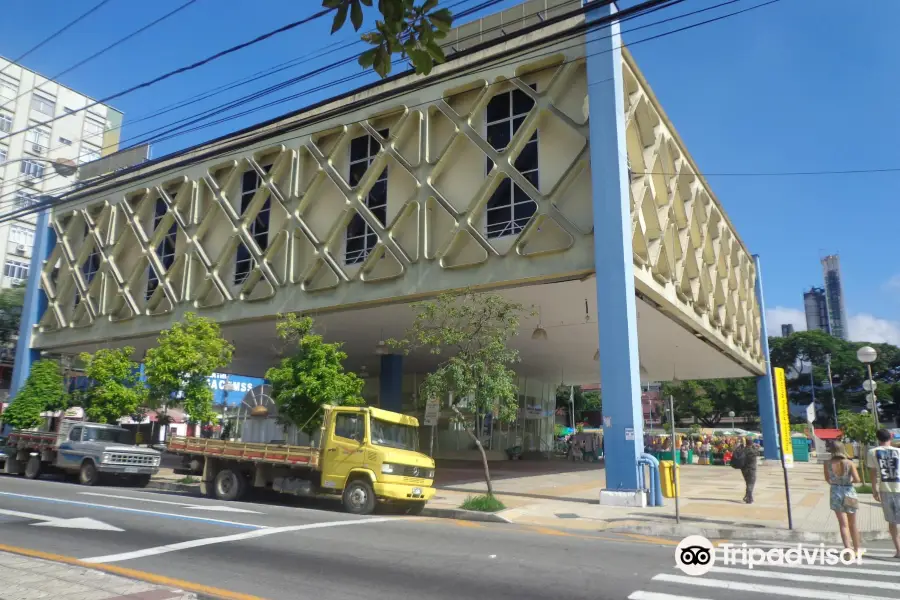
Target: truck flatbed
x=279 y=454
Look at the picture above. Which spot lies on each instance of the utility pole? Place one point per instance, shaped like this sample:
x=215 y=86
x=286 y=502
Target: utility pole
x=831 y=387
x=674 y=458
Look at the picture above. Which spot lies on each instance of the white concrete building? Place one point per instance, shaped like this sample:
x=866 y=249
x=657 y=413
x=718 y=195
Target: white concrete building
x=27 y=98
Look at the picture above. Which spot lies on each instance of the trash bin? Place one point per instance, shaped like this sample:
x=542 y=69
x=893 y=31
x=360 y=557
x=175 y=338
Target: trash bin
x=666 y=468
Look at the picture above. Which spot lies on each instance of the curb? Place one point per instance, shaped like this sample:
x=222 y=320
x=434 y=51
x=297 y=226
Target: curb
x=171 y=486
x=463 y=515
x=744 y=534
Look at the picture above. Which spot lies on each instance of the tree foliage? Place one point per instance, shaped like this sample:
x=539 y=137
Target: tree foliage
x=468 y=333
x=405 y=28
x=43 y=390
x=11 y=302
x=177 y=368
x=710 y=400
x=803 y=351
x=116 y=388
x=312 y=376
x=858 y=427
x=584 y=401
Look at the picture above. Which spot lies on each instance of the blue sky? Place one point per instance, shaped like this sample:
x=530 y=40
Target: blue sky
x=802 y=85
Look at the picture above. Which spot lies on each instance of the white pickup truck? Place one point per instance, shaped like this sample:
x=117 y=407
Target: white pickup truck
x=88 y=450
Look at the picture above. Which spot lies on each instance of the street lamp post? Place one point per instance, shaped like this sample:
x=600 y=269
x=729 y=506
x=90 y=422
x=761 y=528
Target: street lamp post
x=731 y=414
x=867 y=356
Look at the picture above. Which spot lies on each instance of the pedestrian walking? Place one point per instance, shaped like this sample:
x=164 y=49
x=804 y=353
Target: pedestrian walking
x=884 y=469
x=841 y=474
x=748 y=468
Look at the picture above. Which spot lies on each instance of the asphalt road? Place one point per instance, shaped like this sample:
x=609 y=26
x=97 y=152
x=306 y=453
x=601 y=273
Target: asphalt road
x=266 y=550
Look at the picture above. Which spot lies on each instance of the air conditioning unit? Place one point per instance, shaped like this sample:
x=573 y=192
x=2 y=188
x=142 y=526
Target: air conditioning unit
x=37 y=149
x=20 y=248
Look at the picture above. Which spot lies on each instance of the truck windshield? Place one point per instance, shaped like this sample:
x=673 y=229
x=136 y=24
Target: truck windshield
x=118 y=436
x=385 y=433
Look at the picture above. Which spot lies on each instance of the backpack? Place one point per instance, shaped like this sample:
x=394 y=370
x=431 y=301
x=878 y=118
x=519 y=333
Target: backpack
x=738 y=458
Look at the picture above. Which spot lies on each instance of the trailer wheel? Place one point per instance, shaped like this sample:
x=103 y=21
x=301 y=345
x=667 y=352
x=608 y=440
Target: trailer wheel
x=33 y=467
x=88 y=475
x=230 y=485
x=359 y=497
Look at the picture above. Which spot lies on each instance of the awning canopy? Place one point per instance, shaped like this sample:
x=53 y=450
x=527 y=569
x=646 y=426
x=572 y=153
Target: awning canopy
x=829 y=434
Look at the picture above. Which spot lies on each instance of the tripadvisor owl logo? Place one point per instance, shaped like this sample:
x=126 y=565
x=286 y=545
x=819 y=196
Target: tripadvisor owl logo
x=694 y=555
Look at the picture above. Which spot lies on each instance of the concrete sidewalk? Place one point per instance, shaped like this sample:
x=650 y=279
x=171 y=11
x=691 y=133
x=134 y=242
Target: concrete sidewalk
x=710 y=504
x=27 y=578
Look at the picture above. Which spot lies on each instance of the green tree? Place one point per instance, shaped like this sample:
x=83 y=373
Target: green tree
x=405 y=28
x=11 y=302
x=116 y=389
x=312 y=376
x=584 y=401
x=177 y=369
x=468 y=333
x=710 y=400
x=43 y=390
x=859 y=427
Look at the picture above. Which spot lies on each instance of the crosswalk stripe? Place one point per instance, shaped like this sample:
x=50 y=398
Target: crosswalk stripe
x=775 y=590
x=881 y=585
x=641 y=595
x=893 y=572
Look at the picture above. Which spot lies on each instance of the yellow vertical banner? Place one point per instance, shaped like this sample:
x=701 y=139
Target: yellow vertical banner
x=784 y=420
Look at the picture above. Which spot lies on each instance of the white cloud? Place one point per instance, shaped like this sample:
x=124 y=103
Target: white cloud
x=780 y=315
x=892 y=284
x=866 y=328
x=863 y=327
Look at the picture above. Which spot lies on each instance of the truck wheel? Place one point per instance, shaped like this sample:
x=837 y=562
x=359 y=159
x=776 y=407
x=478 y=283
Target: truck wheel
x=88 y=475
x=33 y=467
x=359 y=497
x=229 y=485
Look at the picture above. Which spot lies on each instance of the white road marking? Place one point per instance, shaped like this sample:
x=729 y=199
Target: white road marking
x=860 y=583
x=76 y=523
x=639 y=595
x=773 y=590
x=210 y=507
x=891 y=572
x=228 y=538
x=135 y=510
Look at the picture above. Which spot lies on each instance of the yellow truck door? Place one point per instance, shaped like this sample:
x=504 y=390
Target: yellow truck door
x=345 y=447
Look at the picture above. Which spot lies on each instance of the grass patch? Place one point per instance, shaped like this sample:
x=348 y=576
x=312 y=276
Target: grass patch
x=865 y=488
x=484 y=503
x=188 y=479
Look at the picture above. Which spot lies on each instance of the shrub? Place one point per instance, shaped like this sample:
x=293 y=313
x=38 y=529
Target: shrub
x=485 y=503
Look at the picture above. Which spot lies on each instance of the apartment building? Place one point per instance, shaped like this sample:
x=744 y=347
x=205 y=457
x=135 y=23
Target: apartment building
x=26 y=99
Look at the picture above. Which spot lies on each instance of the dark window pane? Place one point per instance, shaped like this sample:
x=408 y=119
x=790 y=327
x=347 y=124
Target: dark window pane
x=371 y=240
x=516 y=123
x=380 y=213
x=520 y=196
x=357 y=170
x=528 y=158
x=522 y=102
x=378 y=194
x=160 y=210
x=498 y=108
x=523 y=211
x=242 y=253
x=532 y=176
x=498 y=135
x=501 y=195
x=249 y=181
x=359 y=148
x=356 y=227
x=500 y=215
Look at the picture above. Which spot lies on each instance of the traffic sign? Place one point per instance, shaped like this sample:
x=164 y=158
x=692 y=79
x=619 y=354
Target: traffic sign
x=432 y=411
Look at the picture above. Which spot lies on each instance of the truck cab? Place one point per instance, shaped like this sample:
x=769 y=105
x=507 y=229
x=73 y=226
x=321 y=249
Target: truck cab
x=370 y=454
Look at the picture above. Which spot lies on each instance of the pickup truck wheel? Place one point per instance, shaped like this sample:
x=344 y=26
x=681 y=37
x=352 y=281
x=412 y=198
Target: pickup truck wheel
x=33 y=467
x=229 y=485
x=141 y=481
x=88 y=475
x=359 y=497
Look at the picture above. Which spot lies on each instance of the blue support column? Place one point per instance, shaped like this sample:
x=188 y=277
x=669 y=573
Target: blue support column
x=35 y=303
x=764 y=389
x=391 y=379
x=616 y=310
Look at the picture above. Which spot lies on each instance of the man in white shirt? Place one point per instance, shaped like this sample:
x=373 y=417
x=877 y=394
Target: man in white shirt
x=884 y=468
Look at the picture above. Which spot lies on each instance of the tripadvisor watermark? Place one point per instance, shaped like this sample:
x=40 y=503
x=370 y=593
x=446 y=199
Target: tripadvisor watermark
x=696 y=555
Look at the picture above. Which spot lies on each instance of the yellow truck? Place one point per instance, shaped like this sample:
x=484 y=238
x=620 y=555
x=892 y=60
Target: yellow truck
x=366 y=455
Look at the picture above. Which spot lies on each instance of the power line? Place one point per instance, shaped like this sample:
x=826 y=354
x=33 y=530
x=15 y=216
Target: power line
x=272 y=89
x=105 y=50
x=491 y=62
x=184 y=69
x=59 y=32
